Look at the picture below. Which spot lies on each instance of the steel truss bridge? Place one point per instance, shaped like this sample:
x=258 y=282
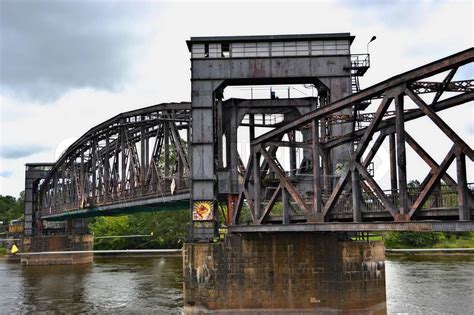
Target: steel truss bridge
x=139 y=161
x=135 y=160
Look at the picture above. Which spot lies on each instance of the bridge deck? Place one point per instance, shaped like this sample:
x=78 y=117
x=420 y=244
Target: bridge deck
x=426 y=226
x=154 y=203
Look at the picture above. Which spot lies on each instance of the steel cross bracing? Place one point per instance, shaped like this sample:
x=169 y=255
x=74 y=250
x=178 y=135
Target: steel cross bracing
x=140 y=159
x=352 y=194
x=135 y=158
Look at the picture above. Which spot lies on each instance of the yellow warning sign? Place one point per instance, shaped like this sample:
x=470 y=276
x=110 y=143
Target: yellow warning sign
x=203 y=210
x=14 y=249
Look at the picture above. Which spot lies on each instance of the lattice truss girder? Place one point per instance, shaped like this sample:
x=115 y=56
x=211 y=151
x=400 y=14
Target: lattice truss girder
x=356 y=196
x=132 y=156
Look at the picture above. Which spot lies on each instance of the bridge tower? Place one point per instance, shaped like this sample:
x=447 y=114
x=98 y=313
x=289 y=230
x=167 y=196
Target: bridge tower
x=34 y=172
x=252 y=272
x=302 y=257
x=321 y=60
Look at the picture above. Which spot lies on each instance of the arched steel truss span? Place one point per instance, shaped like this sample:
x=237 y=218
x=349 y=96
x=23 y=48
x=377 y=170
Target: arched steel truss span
x=353 y=195
x=135 y=159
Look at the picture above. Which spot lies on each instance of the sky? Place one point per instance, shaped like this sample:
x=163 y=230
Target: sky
x=66 y=66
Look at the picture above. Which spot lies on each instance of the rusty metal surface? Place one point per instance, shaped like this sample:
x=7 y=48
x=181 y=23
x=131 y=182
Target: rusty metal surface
x=135 y=156
x=454 y=226
x=141 y=158
x=355 y=195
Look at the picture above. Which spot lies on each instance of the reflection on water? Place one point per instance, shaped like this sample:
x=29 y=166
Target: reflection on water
x=430 y=284
x=418 y=285
x=139 y=285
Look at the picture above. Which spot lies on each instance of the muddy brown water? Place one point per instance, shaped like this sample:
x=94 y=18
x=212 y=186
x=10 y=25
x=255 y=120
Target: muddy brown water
x=415 y=285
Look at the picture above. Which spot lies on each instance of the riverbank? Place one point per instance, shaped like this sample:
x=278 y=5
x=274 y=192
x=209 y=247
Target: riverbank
x=134 y=253
x=99 y=254
x=429 y=251
x=428 y=240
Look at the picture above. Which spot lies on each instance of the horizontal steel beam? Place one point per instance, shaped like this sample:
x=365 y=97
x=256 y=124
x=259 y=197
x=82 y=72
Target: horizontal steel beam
x=420 y=226
x=271 y=103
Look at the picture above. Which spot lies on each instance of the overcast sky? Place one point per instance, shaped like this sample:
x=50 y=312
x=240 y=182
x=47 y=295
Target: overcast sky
x=66 y=66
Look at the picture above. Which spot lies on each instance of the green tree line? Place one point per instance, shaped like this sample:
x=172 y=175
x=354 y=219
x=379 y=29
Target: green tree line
x=11 y=208
x=429 y=239
x=163 y=229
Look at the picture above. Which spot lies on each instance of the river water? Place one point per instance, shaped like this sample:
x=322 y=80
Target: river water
x=416 y=285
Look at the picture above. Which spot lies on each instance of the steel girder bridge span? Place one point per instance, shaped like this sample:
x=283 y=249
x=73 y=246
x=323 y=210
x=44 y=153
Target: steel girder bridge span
x=135 y=161
x=352 y=199
x=138 y=161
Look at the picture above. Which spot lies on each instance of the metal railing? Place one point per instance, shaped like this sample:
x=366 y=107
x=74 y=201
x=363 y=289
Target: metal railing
x=360 y=61
x=444 y=198
x=160 y=189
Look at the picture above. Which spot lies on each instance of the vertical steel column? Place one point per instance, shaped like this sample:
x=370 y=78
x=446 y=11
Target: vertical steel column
x=228 y=154
x=72 y=181
x=317 y=204
x=166 y=135
x=463 y=201
x=233 y=151
x=256 y=169
x=219 y=129
x=285 y=200
x=393 y=164
x=292 y=138
x=356 y=200
x=62 y=187
x=251 y=127
x=256 y=184
x=401 y=154
x=143 y=167
x=188 y=151
x=324 y=153
x=100 y=190
x=55 y=190
x=94 y=169
x=82 y=180
x=147 y=154
x=123 y=162
x=107 y=169
x=179 y=168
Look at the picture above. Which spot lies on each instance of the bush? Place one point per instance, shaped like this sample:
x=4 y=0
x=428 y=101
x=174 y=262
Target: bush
x=411 y=239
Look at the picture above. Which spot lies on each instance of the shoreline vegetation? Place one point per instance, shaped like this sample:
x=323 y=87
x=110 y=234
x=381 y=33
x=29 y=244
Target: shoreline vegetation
x=168 y=230
x=428 y=240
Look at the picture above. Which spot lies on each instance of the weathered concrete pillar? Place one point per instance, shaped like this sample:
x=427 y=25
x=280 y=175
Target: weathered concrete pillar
x=57 y=249
x=289 y=272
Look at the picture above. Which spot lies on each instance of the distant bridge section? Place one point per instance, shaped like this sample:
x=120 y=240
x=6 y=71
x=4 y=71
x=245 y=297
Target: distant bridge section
x=134 y=161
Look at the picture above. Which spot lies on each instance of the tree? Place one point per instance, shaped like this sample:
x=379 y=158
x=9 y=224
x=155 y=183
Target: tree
x=11 y=208
x=166 y=230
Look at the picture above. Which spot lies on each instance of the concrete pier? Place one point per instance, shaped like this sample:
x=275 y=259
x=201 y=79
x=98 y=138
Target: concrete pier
x=284 y=272
x=57 y=250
